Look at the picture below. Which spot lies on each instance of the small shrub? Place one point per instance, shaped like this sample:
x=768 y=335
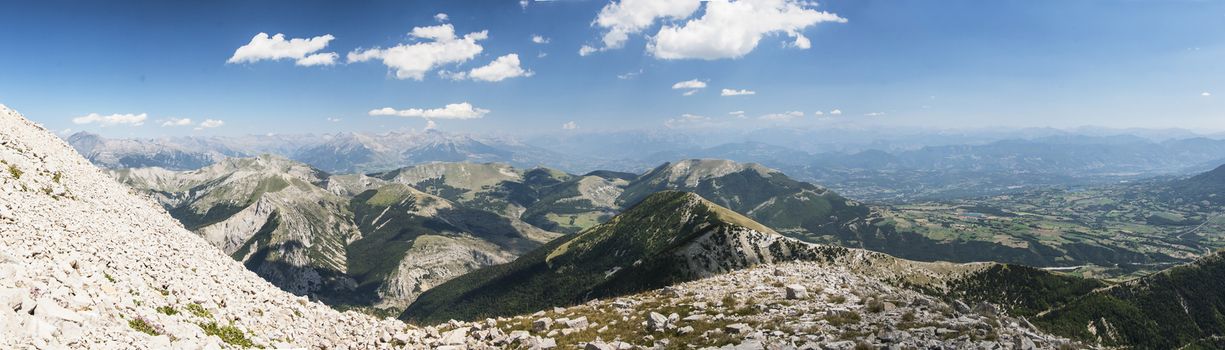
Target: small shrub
x=108 y=277
x=843 y=318
x=56 y=177
x=167 y=310
x=837 y=299
x=14 y=171
x=229 y=334
x=908 y=316
x=140 y=325
x=729 y=300
x=876 y=306
x=199 y=311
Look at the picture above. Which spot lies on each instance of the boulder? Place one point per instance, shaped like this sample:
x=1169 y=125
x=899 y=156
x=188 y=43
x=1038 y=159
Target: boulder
x=542 y=324
x=657 y=322
x=795 y=291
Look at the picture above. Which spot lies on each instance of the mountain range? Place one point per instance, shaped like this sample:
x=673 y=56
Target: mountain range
x=929 y=167
x=381 y=239
x=87 y=263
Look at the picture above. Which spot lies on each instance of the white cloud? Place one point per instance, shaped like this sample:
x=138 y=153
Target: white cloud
x=523 y=4
x=570 y=125
x=334 y=120
x=113 y=119
x=801 y=42
x=209 y=123
x=785 y=116
x=319 y=59
x=732 y=92
x=462 y=110
x=621 y=19
x=874 y=114
x=587 y=50
x=732 y=29
x=540 y=39
x=818 y=113
x=630 y=75
x=737 y=114
x=430 y=125
x=1205 y=94
x=693 y=85
x=836 y=112
x=441 y=17
x=412 y=61
x=262 y=47
x=689 y=84
x=177 y=122
x=502 y=68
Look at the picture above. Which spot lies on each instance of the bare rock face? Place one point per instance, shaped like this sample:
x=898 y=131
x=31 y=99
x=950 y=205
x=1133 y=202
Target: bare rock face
x=434 y=260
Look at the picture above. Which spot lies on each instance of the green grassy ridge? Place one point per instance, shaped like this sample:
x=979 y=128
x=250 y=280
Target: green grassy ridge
x=1021 y=290
x=1180 y=306
x=572 y=268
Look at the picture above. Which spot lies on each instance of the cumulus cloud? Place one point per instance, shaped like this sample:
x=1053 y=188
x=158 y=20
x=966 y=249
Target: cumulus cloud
x=818 y=113
x=462 y=110
x=272 y=48
x=209 y=124
x=621 y=19
x=733 y=92
x=587 y=50
x=874 y=114
x=836 y=112
x=689 y=84
x=177 y=122
x=1205 y=94
x=334 y=120
x=692 y=85
x=783 y=117
x=430 y=125
x=570 y=125
x=113 y=119
x=500 y=69
x=737 y=114
x=732 y=29
x=439 y=46
x=441 y=17
x=540 y=39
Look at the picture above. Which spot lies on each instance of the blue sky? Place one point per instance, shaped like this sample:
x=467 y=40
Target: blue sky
x=947 y=64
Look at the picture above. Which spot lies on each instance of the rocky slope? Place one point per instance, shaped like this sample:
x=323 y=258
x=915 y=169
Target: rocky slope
x=351 y=240
x=413 y=241
x=268 y=212
x=86 y=263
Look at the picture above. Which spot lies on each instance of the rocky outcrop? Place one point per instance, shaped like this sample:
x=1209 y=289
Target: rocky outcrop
x=433 y=260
